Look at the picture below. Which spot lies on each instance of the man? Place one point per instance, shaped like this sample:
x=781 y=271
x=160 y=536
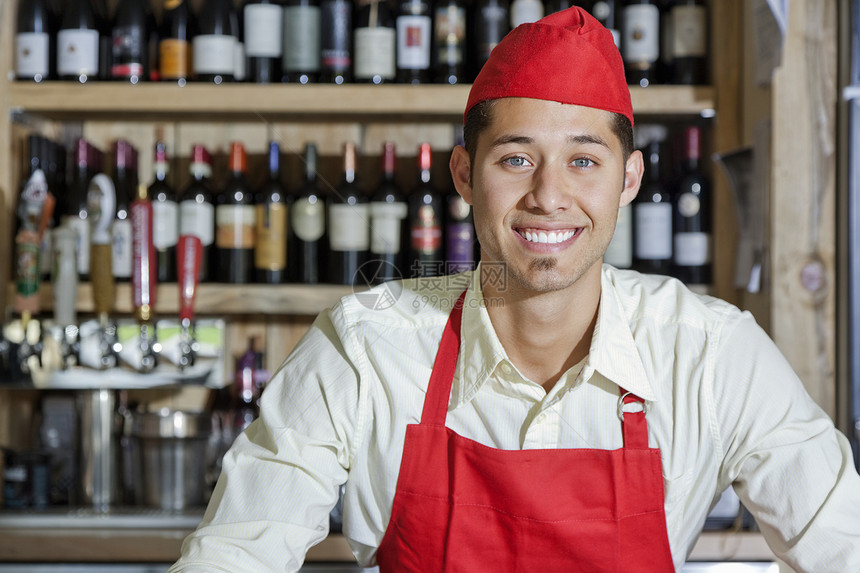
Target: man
x=545 y=413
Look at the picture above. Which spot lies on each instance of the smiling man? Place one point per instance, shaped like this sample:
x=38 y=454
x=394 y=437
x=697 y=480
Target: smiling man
x=545 y=412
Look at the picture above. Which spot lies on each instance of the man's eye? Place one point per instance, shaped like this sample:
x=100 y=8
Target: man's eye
x=583 y=162
x=516 y=161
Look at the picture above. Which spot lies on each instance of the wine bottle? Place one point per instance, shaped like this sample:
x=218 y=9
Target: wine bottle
x=130 y=42
x=264 y=36
x=336 y=41
x=196 y=209
x=459 y=234
x=551 y=7
x=692 y=224
x=349 y=225
x=165 y=216
x=308 y=239
x=604 y=12
x=619 y=253
x=388 y=212
x=240 y=58
x=174 y=46
x=414 y=25
x=214 y=46
x=652 y=210
x=425 y=221
x=301 y=61
x=125 y=183
x=640 y=42
x=449 y=46
x=33 y=41
x=235 y=222
x=375 y=42
x=525 y=11
x=78 y=42
x=689 y=45
x=270 y=249
x=490 y=24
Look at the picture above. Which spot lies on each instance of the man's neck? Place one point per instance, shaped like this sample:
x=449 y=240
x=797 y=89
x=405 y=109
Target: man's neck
x=546 y=334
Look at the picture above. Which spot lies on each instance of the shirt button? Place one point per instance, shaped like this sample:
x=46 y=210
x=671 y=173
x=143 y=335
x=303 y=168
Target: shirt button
x=506 y=369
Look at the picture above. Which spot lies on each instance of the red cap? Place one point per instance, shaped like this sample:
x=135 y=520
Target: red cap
x=568 y=57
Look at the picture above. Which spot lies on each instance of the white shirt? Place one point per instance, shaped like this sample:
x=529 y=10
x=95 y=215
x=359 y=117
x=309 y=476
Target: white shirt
x=724 y=407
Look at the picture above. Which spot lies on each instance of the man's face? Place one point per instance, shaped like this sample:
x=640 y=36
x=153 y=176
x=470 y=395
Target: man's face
x=546 y=185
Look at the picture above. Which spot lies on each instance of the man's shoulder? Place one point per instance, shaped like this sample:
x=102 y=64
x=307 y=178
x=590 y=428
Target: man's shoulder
x=665 y=298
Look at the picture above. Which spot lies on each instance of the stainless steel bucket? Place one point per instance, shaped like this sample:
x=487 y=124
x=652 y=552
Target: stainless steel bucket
x=169 y=452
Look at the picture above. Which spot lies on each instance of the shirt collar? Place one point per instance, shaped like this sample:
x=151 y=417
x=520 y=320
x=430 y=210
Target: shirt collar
x=613 y=352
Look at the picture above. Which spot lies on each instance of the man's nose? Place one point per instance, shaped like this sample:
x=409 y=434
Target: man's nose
x=550 y=190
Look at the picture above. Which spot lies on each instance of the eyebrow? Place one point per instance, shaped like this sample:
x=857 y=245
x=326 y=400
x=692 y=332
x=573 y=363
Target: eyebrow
x=582 y=139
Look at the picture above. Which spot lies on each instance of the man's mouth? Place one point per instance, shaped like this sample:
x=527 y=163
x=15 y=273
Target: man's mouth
x=545 y=236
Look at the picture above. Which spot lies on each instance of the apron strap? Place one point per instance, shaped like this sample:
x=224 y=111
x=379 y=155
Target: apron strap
x=439 y=388
x=633 y=422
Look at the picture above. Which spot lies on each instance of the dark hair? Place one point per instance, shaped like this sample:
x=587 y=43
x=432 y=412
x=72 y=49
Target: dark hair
x=481 y=114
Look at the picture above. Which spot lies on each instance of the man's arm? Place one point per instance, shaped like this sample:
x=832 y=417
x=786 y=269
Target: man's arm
x=790 y=466
x=280 y=478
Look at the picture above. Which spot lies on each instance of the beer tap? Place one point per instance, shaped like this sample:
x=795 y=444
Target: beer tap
x=101 y=202
x=35 y=212
x=189 y=254
x=143 y=277
x=65 y=279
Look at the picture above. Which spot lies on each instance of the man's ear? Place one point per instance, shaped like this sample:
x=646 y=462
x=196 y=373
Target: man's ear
x=633 y=171
x=461 y=172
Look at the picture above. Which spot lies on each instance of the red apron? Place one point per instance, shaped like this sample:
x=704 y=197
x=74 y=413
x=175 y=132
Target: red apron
x=461 y=506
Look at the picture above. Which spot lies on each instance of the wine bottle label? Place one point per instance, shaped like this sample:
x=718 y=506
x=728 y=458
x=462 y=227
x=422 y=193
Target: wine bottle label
x=165 y=226
x=460 y=252
x=692 y=249
x=197 y=219
x=264 y=30
x=689 y=36
x=525 y=11
x=653 y=230
x=619 y=253
x=689 y=205
x=308 y=220
x=239 y=61
x=81 y=229
x=349 y=227
x=127 y=50
x=641 y=29
x=235 y=226
x=121 y=252
x=301 y=39
x=450 y=34
x=426 y=231
x=213 y=54
x=413 y=42
x=336 y=35
x=77 y=52
x=270 y=252
x=174 y=58
x=31 y=55
x=374 y=53
x=386 y=222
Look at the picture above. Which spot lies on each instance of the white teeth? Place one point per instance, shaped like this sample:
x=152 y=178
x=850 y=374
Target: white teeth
x=552 y=237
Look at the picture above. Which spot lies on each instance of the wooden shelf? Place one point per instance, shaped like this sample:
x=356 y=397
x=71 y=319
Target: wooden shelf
x=215 y=299
x=67 y=100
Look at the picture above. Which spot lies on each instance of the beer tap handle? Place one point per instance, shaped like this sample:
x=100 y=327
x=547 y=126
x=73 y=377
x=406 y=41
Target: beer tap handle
x=143 y=276
x=101 y=201
x=189 y=251
x=65 y=279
